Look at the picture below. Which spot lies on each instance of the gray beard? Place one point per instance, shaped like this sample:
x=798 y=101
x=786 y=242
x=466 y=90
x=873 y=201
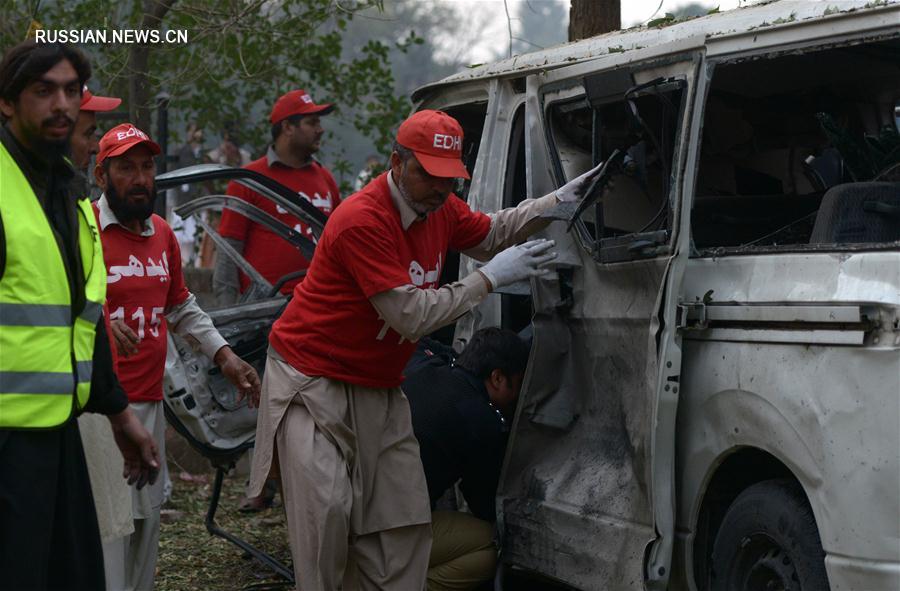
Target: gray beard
x=418 y=208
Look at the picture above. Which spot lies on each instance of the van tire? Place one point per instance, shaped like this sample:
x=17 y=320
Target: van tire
x=768 y=539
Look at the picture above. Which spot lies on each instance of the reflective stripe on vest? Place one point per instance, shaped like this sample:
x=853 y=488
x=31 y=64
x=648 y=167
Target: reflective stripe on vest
x=45 y=353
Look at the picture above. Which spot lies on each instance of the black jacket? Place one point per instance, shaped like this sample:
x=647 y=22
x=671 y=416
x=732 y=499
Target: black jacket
x=461 y=436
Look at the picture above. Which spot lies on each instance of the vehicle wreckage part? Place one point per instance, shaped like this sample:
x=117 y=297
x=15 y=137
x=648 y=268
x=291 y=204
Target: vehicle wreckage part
x=595 y=191
x=204 y=404
x=306 y=246
x=266 y=559
x=255 y=181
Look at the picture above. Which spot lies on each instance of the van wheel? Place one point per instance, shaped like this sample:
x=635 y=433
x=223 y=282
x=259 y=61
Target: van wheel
x=768 y=540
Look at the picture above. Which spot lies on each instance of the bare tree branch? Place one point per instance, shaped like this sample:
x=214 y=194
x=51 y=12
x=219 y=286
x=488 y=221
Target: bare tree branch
x=508 y=26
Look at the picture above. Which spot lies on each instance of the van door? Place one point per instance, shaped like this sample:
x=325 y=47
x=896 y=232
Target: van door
x=200 y=403
x=587 y=492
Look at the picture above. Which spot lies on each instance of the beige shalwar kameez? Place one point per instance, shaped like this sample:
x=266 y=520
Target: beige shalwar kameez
x=346 y=502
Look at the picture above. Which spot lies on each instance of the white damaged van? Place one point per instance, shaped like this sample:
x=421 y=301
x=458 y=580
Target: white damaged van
x=713 y=396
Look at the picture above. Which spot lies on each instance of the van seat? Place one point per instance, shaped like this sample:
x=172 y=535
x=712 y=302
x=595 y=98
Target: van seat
x=858 y=213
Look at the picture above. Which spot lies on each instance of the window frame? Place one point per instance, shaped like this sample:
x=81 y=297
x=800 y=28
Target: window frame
x=714 y=60
x=637 y=245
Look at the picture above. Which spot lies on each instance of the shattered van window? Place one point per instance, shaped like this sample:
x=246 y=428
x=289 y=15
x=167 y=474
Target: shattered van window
x=801 y=149
x=644 y=127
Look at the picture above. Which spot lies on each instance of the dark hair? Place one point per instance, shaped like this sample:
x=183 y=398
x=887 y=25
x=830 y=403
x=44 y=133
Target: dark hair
x=277 y=127
x=404 y=152
x=28 y=61
x=494 y=348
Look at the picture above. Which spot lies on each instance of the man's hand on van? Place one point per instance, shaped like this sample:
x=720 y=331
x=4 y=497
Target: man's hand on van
x=519 y=262
x=575 y=189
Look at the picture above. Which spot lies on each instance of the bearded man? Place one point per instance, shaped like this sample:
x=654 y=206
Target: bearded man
x=146 y=294
x=55 y=362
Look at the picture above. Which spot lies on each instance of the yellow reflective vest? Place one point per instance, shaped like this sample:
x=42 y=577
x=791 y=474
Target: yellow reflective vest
x=45 y=353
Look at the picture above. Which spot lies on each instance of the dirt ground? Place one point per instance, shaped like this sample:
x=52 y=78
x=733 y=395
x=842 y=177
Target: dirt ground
x=191 y=558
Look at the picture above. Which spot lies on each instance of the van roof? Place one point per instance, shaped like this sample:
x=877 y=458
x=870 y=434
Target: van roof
x=774 y=13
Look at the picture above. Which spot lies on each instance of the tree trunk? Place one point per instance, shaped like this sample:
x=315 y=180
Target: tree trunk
x=593 y=17
x=140 y=99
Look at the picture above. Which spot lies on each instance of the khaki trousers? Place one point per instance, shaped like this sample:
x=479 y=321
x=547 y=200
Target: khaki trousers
x=355 y=496
x=463 y=554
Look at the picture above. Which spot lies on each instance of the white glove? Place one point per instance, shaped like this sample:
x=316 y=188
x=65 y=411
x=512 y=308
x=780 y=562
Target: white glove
x=519 y=262
x=574 y=190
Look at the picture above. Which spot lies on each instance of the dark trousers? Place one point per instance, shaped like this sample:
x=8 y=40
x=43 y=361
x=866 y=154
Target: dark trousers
x=49 y=538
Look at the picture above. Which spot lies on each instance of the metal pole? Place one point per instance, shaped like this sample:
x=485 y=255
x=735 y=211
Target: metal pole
x=162 y=138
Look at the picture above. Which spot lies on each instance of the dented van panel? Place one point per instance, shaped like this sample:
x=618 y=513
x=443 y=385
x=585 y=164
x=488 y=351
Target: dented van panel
x=816 y=278
x=579 y=466
x=830 y=414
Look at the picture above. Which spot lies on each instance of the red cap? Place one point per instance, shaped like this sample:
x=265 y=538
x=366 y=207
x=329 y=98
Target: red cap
x=297 y=102
x=436 y=139
x=122 y=138
x=89 y=102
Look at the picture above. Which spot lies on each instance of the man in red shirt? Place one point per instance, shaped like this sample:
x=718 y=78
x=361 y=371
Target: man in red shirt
x=296 y=136
x=355 y=495
x=84 y=136
x=146 y=294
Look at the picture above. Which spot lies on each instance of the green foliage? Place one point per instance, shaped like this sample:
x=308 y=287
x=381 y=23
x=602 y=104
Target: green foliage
x=240 y=56
x=663 y=21
x=784 y=20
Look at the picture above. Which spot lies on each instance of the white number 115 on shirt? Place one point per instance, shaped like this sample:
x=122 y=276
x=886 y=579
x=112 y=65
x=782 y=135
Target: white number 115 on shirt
x=156 y=318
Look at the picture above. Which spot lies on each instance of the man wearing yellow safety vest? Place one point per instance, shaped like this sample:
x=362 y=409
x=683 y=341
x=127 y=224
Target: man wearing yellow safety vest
x=55 y=358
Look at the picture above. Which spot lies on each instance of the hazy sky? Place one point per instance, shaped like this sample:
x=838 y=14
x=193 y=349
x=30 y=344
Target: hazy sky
x=486 y=19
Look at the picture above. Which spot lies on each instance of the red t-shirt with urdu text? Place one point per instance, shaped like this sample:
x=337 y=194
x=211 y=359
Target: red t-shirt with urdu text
x=143 y=282
x=330 y=328
x=272 y=256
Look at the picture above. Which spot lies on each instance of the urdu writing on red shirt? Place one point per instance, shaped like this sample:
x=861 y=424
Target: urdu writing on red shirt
x=330 y=328
x=143 y=282
x=269 y=254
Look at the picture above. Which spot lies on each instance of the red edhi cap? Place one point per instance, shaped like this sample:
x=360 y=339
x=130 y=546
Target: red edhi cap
x=436 y=139
x=90 y=102
x=297 y=102
x=122 y=138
